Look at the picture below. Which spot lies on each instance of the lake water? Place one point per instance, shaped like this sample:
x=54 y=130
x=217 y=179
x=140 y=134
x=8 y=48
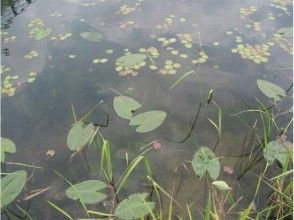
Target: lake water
x=37 y=114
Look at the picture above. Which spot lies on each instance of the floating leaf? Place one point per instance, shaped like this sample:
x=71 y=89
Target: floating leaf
x=124 y=106
x=87 y=191
x=286 y=32
x=221 y=185
x=8 y=146
x=271 y=90
x=42 y=33
x=131 y=59
x=148 y=121
x=11 y=186
x=91 y=36
x=205 y=160
x=135 y=207
x=80 y=135
x=275 y=151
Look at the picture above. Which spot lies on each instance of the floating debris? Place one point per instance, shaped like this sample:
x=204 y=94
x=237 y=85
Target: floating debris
x=56 y=14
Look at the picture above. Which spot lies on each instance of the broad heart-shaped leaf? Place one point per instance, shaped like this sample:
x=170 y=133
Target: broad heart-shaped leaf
x=135 y=207
x=271 y=90
x=42 y=33
x=148 y=121
x=129 y=60
x=221 y=185
x=11 y=186
x=8 y=146
x=205 y=160
x=80 y=135
x=87 y=191
x=275 y=151
x=124 y=106
x=91 y=36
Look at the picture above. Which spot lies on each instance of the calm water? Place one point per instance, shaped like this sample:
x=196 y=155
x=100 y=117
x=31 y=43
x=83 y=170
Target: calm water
x=38 y=116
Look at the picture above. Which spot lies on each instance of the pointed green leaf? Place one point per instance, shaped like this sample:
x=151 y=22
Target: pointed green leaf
x=205 y=160
x=87 y=191
x=8 y=146
x=221 y=185
x=42 y=33
x=80 y=135
x=124 y=106
x=271 y=90
x=135 y=207
x=11 y=186
x=148 y=121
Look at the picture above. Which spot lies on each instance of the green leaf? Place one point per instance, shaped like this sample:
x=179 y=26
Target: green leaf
x=221 y=185
x=80 y=135
x=205 y=160
x=42 y=33
x=148 y=121
x=135 y=207
x=131 y=59
x=11 y=186
x=275 y=151
x=91 y=36
x=271 y=90
x=8 y=146
x=87 y=191
x=124 y=106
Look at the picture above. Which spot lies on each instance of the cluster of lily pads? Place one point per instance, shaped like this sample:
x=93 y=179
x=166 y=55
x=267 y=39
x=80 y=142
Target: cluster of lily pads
x=247 y=11
x=257 y=53
x=185 y=39
x=125 y=9
x=61 y=36
x=9 y=39
x=38 y=30
x=7 y=86
x=202 y=57
x=169 y=20
x=130 y=63
x=32 y=54
x=165 y=42
x=32 y=76
x=170 y=68
x=103 y=60
x=283 y=38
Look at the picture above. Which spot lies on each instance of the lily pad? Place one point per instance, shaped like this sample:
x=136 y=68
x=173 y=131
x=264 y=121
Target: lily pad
x=91 y=36
x=80 y=135
x=135 y=207
x=87 y=191
x=205 y=160
x=42 y=33
x=221 y=185
x=11 y=186
x=8 y=146
x=148 y=121
x=124 y=106
x=275 y=151
x=271 y=90
x=131 y=59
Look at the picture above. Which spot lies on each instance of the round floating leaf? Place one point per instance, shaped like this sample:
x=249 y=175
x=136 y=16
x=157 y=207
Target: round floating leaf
x=80 y=135
x=42 y=33
x=8 y=146
x=131 y=59
x=11 y=186
x=124 y=106
x=148 y=121
x=221 y=185
x=91 y=36
x=135 y=207
x=275 y=151
x=87 y=191
x=205 y=160
x=271 y=90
